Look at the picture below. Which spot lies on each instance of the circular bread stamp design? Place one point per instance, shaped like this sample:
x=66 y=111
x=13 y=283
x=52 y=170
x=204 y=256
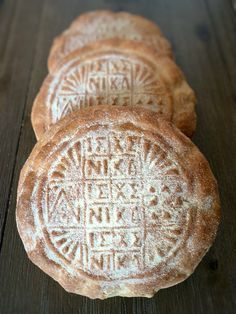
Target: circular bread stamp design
x=111 y=79
x=112 y=204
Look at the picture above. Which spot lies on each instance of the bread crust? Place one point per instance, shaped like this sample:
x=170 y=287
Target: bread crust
x=105 y=24
x=202 y=201
x=172 y=95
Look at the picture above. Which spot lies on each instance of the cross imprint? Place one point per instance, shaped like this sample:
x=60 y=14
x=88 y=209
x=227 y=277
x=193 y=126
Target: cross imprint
x=112 y=79
x=105 y=221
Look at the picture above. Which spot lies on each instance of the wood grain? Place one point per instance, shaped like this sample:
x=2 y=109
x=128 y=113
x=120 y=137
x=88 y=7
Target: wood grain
x=223 y=19
x=203 y=36
x=17 y=56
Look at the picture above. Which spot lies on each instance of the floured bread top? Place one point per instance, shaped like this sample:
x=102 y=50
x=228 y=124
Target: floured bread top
x=114 y=79
x=100 y=25
x=111 y=205
x=120 y=21
x=114 y=75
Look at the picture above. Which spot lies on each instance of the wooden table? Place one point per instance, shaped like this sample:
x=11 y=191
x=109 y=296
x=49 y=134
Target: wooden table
x=203 y=35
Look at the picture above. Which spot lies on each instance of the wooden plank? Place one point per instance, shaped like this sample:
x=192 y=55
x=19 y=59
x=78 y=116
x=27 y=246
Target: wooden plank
x=223 y=20
x=24 y=288
x=7 y=17
x=14 y=79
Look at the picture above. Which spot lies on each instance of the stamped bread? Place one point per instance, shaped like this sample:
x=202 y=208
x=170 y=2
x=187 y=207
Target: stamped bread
x=115 y=72
x=98 y=25
x=116 y=201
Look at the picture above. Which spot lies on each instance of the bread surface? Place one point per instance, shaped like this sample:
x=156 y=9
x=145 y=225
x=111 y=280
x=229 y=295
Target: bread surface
x=115 y=72
x=116 y=201
x=98 y=25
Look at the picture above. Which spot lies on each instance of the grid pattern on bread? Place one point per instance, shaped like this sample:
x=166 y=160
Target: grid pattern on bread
x=115 y=72
x=113 y=205
x=111 y=79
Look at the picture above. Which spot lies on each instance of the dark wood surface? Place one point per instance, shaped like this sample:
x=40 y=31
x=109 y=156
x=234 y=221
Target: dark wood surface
x=203 y=35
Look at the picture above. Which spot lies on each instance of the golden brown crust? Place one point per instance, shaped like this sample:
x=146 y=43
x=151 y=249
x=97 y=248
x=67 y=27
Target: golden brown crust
x=100 y=25
x=172 y=95
x=202 y=201
x=86 y=19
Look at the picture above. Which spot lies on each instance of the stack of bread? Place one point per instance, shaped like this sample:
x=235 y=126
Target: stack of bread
x=115 y=199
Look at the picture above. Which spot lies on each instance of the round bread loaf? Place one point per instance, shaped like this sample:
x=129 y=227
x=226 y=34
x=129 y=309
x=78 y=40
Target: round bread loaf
x=98 y=25
x=115 y=72
x=116 y=201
